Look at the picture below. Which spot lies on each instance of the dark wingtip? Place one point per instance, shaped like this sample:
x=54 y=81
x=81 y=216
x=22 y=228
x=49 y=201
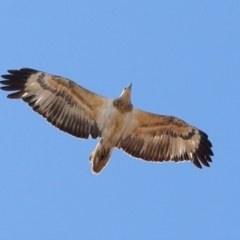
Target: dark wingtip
x=21 y=71
x=208 y=158
x=29 y=70
x=197 y=163
x=204 y=151
x=205 y=163
x=15 y=81
x=203 y=134
x=15 y=95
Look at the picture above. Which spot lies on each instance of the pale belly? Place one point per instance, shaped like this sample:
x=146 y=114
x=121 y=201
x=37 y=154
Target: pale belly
x=114 y=128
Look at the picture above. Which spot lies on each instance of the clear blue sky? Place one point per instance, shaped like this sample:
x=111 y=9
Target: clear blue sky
x=183 y=59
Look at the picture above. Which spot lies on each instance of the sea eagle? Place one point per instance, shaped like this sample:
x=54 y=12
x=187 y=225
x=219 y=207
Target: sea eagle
x=116 y=122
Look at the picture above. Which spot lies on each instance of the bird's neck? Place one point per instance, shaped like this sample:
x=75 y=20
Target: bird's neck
x=123 y=105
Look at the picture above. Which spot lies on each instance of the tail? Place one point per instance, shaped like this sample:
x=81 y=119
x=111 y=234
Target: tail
x=99 y=158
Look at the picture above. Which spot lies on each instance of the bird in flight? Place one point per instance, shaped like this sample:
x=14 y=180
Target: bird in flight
x=116 y=122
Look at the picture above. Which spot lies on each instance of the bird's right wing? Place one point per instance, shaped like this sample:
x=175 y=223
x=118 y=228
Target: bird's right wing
x=66 y=105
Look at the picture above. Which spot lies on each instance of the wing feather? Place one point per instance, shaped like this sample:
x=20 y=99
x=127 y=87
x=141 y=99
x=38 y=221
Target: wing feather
x=64 y=104
x=160 y=138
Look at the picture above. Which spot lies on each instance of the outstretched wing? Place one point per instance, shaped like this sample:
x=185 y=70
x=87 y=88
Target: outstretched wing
x=66 y=105
x=159 y=138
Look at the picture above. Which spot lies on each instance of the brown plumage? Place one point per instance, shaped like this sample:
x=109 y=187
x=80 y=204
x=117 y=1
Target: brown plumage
x=82 y=113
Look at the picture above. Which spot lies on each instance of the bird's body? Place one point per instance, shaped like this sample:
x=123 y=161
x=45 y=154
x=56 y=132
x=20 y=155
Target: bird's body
x=111 y=133
x=116 y=122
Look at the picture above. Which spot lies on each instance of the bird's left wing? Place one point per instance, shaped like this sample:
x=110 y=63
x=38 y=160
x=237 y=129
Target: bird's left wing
x=159 y=138
x=66 y=105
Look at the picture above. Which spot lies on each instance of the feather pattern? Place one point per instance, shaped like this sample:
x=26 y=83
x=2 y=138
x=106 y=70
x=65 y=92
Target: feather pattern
x=158 y=138
x=66 y=105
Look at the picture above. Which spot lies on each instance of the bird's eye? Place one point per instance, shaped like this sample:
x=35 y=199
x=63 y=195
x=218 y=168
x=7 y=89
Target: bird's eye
x=125 y=88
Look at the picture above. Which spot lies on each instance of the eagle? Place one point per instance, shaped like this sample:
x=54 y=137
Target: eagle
x=116 y=122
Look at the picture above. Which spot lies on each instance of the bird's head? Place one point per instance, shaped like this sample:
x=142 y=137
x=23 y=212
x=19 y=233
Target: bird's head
x=126 y=93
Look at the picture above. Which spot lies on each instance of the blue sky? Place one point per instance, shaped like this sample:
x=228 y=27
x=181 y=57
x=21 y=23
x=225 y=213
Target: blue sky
x=183 y=59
